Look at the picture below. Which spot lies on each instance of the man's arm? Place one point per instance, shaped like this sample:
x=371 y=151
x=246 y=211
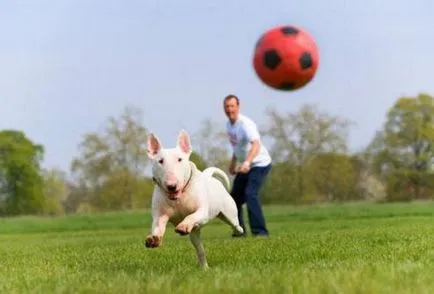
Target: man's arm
x=233 y=164
x=254 y=150
x=252 y=134
x=234 y=159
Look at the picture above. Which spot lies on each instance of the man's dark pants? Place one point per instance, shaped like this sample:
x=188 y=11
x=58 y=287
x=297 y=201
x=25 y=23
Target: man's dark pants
x=245 y=189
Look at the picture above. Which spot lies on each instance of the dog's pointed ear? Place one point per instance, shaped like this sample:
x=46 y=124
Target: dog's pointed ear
x=154 y=145
x=183 y=142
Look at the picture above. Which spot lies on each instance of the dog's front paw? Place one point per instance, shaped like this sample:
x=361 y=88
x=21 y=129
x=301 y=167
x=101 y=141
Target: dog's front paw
x=152 y=241
x=183 y=229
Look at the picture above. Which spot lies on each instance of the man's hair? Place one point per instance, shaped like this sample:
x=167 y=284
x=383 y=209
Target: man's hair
x=231 y=96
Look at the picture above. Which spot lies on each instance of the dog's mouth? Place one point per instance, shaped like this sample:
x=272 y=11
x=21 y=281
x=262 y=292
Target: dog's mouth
x=173 y=195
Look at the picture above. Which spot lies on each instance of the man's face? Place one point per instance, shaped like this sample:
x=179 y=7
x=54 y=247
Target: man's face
x=231 y=109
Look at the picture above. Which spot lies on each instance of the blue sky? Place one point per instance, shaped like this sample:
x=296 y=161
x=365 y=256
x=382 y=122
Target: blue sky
x=66 y=65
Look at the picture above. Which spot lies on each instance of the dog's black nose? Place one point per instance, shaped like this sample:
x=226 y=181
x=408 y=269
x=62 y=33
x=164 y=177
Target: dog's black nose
x=171 y=188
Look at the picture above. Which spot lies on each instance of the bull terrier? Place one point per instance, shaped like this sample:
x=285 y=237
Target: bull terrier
x=185 y=196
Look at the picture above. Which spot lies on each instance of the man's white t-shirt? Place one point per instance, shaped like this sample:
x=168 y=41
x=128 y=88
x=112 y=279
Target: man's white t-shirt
x=241 y=133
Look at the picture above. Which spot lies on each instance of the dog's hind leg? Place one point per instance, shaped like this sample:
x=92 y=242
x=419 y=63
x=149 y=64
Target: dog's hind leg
x=230 y=216
x=198 y=245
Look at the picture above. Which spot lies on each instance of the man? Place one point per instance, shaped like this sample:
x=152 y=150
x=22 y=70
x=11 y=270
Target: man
x=254 y=164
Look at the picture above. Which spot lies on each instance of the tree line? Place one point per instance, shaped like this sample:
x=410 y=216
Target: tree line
x=312 y=162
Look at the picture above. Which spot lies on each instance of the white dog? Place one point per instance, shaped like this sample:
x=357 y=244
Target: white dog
x=185 y=196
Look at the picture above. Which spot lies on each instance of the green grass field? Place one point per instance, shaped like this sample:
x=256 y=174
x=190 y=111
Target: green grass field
x=352 y=248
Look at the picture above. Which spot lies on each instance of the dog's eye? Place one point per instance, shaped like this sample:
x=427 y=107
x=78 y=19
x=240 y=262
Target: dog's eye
x=179 y=159
x=161 y=161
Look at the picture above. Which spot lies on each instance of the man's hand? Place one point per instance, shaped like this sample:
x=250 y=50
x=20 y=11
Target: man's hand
x=232 y=168
x=233 y=165
x=245 y=167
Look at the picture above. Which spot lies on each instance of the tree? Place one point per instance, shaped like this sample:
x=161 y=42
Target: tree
x=297 y=137
x=79 y=195
x=21 y=182
x=55 y=191
x=113 y=161
x=403 y=151
x=198 y=160
x=133 y=194
x=211 y=143
x=333 y=176
x=369 y=185
x=281 y=185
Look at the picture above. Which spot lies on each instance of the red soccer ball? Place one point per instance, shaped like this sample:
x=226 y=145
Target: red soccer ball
x=286 y=58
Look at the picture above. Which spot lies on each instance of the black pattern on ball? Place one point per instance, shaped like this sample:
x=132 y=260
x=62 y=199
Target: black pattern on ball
x=289 y=31
x=271 y=59
x=305 y=60
x=287 y=86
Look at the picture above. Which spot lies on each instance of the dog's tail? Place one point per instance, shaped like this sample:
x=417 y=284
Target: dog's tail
x=219 y=174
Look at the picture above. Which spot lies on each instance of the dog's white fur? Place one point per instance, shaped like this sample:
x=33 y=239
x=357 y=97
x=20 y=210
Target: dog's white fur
x=196 y=196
